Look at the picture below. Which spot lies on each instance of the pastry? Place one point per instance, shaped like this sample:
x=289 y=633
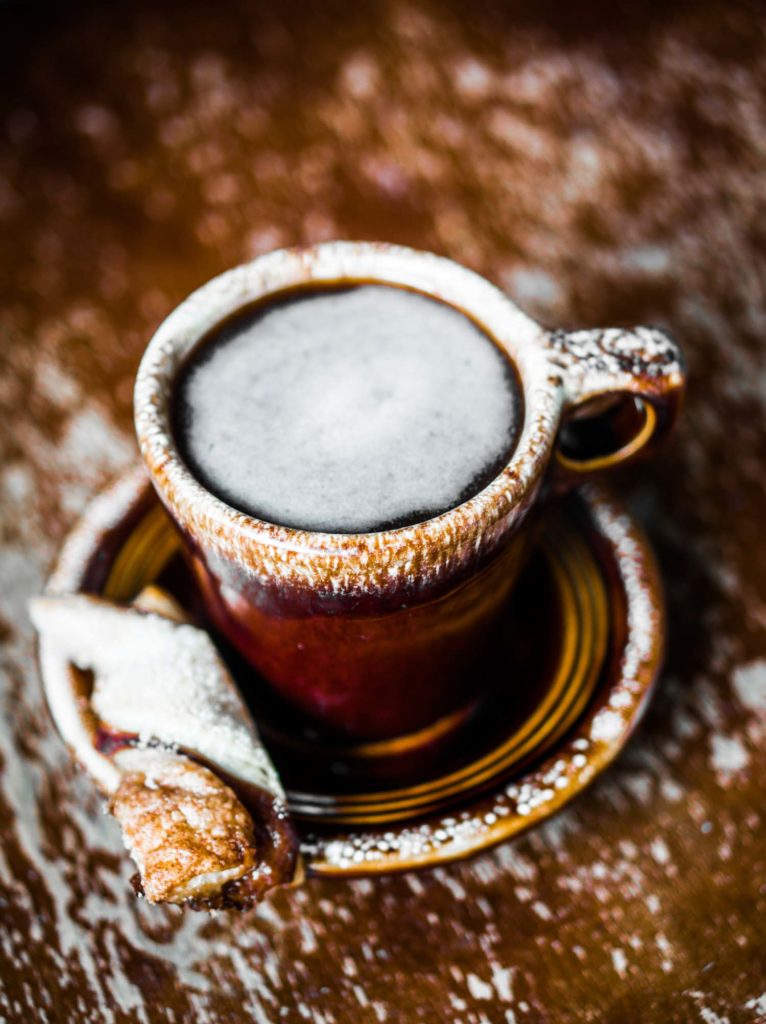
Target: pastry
x=201 y=807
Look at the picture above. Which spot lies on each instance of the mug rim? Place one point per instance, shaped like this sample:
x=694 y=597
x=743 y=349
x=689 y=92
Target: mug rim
x=269 y=548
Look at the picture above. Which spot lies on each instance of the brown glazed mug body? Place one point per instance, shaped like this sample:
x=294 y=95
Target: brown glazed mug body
x=372 y=634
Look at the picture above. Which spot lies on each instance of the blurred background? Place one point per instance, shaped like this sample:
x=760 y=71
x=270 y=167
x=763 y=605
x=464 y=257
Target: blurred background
x=604 y=163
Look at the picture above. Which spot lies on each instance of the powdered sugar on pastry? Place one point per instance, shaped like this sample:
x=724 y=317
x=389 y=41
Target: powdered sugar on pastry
x=161 y=680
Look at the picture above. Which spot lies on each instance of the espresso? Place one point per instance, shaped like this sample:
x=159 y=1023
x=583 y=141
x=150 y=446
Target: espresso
x=348 y=410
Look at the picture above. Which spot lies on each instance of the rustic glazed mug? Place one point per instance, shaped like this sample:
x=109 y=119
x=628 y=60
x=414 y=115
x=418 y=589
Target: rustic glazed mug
x=372 y=634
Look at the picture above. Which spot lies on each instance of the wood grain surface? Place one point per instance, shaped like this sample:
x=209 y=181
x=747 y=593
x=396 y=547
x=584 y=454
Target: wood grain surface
x=605 y=165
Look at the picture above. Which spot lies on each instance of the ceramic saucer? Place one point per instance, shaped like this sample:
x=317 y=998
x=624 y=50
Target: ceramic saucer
x=586 y=626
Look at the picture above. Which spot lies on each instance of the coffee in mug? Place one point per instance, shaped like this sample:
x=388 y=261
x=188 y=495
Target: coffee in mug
x=349 y=410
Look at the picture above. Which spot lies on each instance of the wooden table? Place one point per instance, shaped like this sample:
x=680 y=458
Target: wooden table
x=603 y=167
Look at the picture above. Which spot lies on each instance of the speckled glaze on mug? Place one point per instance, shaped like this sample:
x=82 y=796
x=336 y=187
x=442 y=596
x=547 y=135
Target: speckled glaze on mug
x=371 y=634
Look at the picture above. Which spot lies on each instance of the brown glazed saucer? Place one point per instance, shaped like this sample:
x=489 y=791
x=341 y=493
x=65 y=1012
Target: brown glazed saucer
x=585 y=621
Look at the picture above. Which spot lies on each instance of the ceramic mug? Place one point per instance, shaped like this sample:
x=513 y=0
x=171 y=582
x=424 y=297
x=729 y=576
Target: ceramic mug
x=372 y=634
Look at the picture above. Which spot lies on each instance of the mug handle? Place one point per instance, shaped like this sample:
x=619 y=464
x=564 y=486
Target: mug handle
x=627 y=383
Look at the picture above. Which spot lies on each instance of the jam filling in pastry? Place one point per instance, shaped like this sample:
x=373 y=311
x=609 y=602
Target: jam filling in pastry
x=202 y=811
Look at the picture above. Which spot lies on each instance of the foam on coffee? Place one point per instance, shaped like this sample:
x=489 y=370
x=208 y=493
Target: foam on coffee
x=348 y=410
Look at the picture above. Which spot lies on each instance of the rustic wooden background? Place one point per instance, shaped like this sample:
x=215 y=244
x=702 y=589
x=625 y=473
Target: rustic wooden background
x=605 y=163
